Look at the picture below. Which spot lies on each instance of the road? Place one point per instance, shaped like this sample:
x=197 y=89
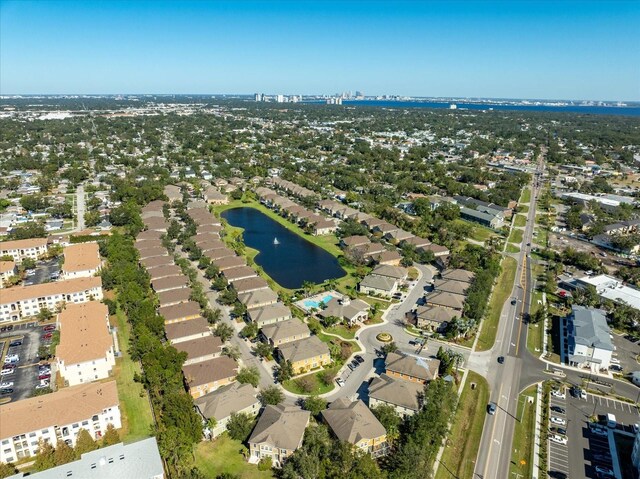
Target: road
x=80 y=208
x=505 y=380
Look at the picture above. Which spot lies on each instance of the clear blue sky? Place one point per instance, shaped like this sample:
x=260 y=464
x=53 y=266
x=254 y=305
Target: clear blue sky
x=509 y=49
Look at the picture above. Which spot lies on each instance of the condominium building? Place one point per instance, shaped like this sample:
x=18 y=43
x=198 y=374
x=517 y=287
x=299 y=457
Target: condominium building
x=85 y=352
x=32 y=248
x=19 y=303
x=81 y=260
x=59 y=415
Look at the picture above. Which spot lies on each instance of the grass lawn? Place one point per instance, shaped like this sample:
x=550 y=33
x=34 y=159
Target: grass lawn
x=510 y=248
x=523 y=436
x=526 y=196
x=501 y=292
x=136 y=411
x=327 y=339
x=520 y=220
x=480 y=233
x=462 y=445
x=343 y=331
x=293 y=386
x=523 y=209
x=224 y=456
x=516 y=236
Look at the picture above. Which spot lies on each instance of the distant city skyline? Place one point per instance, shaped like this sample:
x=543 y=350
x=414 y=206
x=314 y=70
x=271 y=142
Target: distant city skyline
x=565 y=50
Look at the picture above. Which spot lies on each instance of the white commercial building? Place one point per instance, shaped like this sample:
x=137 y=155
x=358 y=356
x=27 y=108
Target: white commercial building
x=59 y=415
x=19 y=303
x=613 y=289
x=590 y=344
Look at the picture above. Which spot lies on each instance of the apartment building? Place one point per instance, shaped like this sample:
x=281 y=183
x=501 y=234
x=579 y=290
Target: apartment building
x=7 y=270
x=81 y=260
x=85 y=352
x=19 y=303
x=59 y=415
x=32 y=248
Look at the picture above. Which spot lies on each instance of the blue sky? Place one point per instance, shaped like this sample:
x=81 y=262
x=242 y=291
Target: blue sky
x=508 y=49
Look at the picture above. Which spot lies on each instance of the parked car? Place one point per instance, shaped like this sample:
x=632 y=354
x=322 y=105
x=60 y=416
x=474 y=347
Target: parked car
x=558 y=420
x=15 y=343
x=558 y=409
x=6 y=391
x=6 y=384
x=3 y=329
x=47 y=336
x=559 y=394
x=615 y=361
x=501 y=359
x=44 y=376
x=340 y=382
x=491 y=408
x=42 y=386
x=49 y=327
x=350 y=366
x=355 y=363
x=558 y=439
x=559 y=430
x=359 y=358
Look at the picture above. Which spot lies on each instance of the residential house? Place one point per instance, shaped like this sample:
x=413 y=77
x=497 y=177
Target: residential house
x=164 y=271
x=353 y=422
x=249 y=284
x=445 y=300
x=269 y=314
x=19 y=303
x=378 y=285
x=174 y=296
x=173 y=193
x=482 y=218
x=404 y=396
x=278 y=433
x=354 y=241
x=49 y=417
x=187 y=330
x=86 y=351
x=81 y=260
x=458 y=275
x=236 y=274
x=200 y=349
x=230 y=262
x=258 y=299
x=351 y=311
x=152 y=252
x=451 y=286
x=435 y=318
x=411 y=368
x=213 y=196
x=305 y=354
x=33 y=248
x=179 y=312
x=156 y=262
x=169 y=283
x=389 y=258
x=226 y=400
x=284 y=332
x=206 y=376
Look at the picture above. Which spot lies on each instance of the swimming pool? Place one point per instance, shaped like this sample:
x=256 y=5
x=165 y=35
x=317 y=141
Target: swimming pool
x=311 y=303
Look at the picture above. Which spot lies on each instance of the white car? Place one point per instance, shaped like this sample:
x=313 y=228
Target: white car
x=558 y=420
x=6 y=384
x=614 y=361
x=558 y=439
x=559 y=394
x=340 y=382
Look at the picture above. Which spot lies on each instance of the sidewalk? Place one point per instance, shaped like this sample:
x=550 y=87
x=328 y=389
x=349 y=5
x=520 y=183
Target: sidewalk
x=538 y=431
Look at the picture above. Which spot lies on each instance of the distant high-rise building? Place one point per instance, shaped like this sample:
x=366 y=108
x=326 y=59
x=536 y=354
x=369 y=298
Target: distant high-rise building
x=359 y=94
x=280 y=99
x=259 y=97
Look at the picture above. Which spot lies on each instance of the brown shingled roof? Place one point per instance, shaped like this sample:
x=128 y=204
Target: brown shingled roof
x=84 y=333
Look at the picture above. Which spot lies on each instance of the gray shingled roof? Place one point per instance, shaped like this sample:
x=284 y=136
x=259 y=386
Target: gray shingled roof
x=352 y=421
x=402 y=393
x=590 y=328
x=303 y=349
x=220 y=403
x=378 y=282
x=283 y=426
x=413 y=366
x=285 y=329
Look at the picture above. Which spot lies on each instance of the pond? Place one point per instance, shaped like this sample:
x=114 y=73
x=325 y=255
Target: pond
x=288 y=258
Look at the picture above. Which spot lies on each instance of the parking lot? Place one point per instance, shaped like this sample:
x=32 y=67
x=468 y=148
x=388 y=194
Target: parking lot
x=589 y=451
x=626 y=353
x=44 y=271
x=21 y=381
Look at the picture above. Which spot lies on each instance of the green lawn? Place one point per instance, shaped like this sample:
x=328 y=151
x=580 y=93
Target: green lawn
x=520 y=220
x=224 y=455
x=516 y=236
x=510 y=248
x=136 y=411
x=501 y=292
x=293 y=386
x=523 y=436
x=327 y=339
x=478 y=232
x=526 y=196
x=541 y=236
x=461 y=447
x=523 y=209
x=343 y=331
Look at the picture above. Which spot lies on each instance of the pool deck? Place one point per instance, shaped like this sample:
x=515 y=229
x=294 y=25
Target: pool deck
x=317 y=298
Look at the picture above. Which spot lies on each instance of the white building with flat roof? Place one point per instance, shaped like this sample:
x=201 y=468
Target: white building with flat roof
x=613 y=289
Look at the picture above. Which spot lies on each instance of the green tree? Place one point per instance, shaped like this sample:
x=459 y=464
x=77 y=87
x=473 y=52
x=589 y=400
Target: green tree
x=110 y=437
x=284 y=371
x=45 y=459
x=249 y=375
x=224 y=331
x=44 y=314
x=84 y=443
x=250 y=330
x=271 y=395
x=389 y=418
x=391 y=347
x=264 y=350
x=232 y=352
x=314 y=405
x=63 y=453
x=7 y=469
x=92 y=218
x=240 y=426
